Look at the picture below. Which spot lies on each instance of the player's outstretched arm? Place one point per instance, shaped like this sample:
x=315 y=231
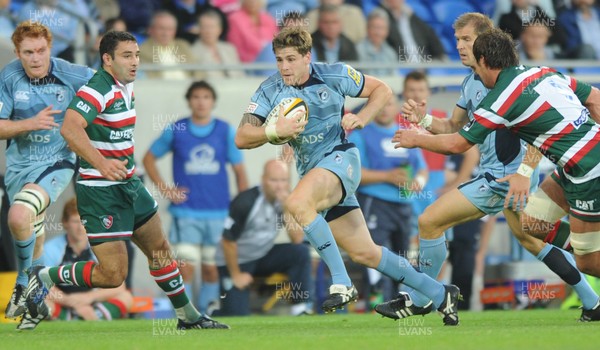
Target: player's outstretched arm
x=44 y=120
x=415 y=112
x=444 y=144
x=73 y=131
x=378 y=94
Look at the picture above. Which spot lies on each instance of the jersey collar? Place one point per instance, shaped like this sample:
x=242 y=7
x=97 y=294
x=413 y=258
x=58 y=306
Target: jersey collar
x=313 y=79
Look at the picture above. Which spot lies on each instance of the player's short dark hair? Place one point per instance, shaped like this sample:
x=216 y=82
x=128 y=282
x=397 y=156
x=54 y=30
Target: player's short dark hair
x=111 y=39
x=498 y=49
x=416 y=75
x=295 y=37
x=197 y=85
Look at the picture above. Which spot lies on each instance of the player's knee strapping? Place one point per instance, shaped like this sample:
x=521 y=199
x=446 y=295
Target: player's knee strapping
x=542 y=207
x=585 y=243
x=34 y=201
x=208 y=255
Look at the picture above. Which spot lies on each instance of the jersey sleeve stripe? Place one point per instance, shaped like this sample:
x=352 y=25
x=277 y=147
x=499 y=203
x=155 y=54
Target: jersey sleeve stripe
x=90 y=99
x=93 y=94
x=485 y=118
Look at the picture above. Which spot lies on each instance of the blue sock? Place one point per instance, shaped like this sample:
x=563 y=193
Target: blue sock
x=24 y=253
x=320 y=237
x=564 y=265
x=208 y=292
x=399 y=269
x=432 y=254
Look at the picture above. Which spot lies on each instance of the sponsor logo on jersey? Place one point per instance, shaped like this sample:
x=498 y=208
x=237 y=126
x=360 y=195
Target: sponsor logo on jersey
x=121 y=134
x=252 y=107
x=478 y=95
x=352 y=73
x=38 y=138
x=107 y=221
x=310 y=139
x=60 y=95
x=83 y=107
x=118 y=105
x=469 y=125
x=582 y=119
x=323 y=94
x=22 y=96
x=1 y=105
x=338 y=158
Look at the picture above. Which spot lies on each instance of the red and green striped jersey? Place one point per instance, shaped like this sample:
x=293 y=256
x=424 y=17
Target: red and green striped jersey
x=544 y=108
x=108 y=107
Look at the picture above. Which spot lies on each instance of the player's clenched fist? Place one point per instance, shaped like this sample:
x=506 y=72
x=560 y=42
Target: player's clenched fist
x=351 y=121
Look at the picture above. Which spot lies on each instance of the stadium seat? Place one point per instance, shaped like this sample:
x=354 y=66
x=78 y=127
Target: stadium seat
x=484 y=6
x=274 y=280
x=447 y=11
x=422 y=11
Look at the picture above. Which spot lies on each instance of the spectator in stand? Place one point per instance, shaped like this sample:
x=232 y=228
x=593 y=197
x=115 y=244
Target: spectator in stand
x=374 y=48
x=7 y=21
x=416 y=87
x=187 y=13
x=62 y=24
x=251 y=29
x=117 y=24
x=162 y=48
x=523 y=13
x=281 y=8
x=533 y=42
x=138 y=13
x=410 y=35
x=582 y=25
x=329 y=43
x=353 y=20
x=210 y=50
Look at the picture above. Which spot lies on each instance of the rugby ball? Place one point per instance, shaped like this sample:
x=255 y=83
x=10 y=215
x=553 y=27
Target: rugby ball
x=291 y=107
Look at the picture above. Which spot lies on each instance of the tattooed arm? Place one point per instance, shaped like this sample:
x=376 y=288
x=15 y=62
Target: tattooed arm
x=250 y=133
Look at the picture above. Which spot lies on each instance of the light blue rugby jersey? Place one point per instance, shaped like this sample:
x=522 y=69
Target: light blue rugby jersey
x=324 y=92
x=22 y=98
x=501 y=151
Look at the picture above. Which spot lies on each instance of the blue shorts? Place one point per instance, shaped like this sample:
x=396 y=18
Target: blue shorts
x=205 y=232
x=53 y=178
x=344 y=162
x=488 y=195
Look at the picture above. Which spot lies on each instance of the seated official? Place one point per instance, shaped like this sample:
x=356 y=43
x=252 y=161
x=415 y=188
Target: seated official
x=68 y=302
x=248 y=246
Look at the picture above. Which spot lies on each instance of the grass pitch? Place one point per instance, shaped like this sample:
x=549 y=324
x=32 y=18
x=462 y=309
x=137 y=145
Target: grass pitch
x=529 y=329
